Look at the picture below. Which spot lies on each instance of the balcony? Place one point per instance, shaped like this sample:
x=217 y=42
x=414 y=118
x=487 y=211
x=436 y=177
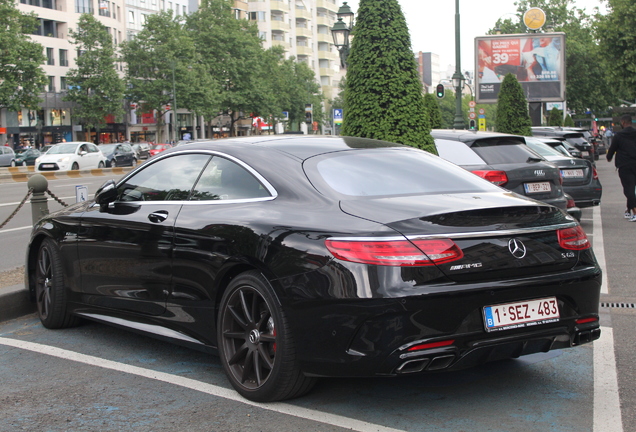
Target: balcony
x=303 y=32
x=304 y=50
x=279 y=5
x=303 y=13
x=280 y=26
x=327 y=72
x=281 y=43
x=325 y=37
x=327 y=4
x=324 y=20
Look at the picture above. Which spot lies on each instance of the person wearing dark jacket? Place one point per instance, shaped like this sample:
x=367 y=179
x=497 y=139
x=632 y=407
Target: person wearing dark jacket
x=624 y=147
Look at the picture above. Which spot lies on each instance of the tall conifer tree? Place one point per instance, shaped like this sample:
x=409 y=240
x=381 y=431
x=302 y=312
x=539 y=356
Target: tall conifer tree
x=383 y=94
x=512 y=108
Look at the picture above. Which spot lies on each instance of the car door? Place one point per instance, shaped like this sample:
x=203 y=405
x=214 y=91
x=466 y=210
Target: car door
x=125 y=248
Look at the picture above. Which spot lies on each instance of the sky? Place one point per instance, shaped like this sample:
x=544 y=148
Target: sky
x=432 y=24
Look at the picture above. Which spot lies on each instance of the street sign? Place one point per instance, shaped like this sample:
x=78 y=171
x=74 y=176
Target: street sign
x=472 y=115
x=472 y=104
x=81 y=193
x=338 y=115
x=482 y=111
x=482 y=123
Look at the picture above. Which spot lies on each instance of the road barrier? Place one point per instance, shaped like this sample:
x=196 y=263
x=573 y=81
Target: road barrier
x=22 y=174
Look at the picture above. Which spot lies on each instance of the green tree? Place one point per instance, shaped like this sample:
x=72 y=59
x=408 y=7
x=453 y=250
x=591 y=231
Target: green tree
x=434 y=112
x=617 y=40
x=512 y=108
x=556 y=117
x=233 y=55
x=568 y=121
x=383 y=96
x=95 y=85
x=163 y=65
x=21 y=74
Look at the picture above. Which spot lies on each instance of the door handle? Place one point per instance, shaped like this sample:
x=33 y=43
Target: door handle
x=158 y=216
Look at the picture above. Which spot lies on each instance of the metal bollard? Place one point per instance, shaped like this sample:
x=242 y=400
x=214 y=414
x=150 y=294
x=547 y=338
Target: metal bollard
x=39 y=201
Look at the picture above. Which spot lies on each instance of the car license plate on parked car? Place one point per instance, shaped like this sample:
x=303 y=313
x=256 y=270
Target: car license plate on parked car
x=537 y=187
x=584 y=153
x=521 y=314
x=572 y=173
x=47 y=166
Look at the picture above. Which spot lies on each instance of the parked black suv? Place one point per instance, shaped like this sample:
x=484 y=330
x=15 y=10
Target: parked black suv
x=576 y=138
x=505 y=160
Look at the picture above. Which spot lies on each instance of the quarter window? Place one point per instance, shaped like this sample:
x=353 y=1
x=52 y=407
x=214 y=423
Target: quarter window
x=223 y=179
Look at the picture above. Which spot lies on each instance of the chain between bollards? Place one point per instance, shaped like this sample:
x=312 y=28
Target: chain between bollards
x=56 y=198
x=29 y=192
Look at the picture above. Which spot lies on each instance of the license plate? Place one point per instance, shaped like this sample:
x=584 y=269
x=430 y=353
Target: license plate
x=537 y=187
x=521 y=314
x=572 y=173
x=47 y=166
x=584 y=153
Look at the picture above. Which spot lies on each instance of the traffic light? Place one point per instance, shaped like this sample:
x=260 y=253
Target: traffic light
x=308 y=117
x=440 y=90
x=472 y=125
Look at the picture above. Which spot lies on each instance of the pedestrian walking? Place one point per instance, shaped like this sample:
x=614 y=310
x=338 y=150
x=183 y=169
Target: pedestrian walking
x=624 y=147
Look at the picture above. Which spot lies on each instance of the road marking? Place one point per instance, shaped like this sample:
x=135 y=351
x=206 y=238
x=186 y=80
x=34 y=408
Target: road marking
x=283 y=408
x=599 y=247
x=607 y=403
x=15 y=229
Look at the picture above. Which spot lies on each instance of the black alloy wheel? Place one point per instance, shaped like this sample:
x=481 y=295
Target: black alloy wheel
x=50 y=293
x=255 y=343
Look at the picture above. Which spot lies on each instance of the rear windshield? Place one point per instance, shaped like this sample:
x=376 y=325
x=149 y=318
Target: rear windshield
x=387 y=172
x=503 y=152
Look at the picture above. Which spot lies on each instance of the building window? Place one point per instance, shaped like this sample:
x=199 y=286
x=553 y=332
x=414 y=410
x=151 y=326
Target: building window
x=50 y=59
x=84 y=6
x=131 y=17
x=257 y=16
x=51 y=84
x=63 y=57
x=63 y=85
x=104 y=8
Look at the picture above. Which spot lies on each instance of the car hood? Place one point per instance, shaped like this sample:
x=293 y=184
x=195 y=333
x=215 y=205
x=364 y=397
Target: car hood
x=54 y=157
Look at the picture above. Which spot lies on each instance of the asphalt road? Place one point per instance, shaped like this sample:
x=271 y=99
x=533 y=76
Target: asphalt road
x=94 y=377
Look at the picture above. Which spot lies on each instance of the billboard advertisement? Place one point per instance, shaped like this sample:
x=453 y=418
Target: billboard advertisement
x=536 y=59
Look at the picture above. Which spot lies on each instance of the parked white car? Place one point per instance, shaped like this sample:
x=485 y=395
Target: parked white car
x=71 y=156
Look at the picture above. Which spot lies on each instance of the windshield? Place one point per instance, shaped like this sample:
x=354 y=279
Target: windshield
x=63 y=149
x=542 y=148
x=107 y=148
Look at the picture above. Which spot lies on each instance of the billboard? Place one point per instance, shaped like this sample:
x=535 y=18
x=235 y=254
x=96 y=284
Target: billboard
x=537 y=60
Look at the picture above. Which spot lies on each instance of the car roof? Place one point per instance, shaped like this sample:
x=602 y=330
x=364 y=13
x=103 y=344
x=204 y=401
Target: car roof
x=469 y=137
x=299 y=146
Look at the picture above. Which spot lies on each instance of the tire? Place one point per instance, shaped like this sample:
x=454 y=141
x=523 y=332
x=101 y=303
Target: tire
x=256 y=346
x=13 y=163
x=100 y=164
x=50 y=293
x=113 y=163
x=134 y=162
x=75 y=166
x=24 y=163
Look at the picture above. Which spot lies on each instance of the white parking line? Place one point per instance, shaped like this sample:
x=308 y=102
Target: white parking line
x=607 y=403
x=599 y=247
x=283 y=408
x=15 y=229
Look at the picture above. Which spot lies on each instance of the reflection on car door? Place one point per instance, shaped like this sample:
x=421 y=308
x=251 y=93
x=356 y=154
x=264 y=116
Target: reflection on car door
x=125 y=250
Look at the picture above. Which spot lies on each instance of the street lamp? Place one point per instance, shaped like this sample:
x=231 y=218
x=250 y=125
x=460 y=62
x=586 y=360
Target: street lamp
x=341 y=32
x=458 y=78
x=174 y=106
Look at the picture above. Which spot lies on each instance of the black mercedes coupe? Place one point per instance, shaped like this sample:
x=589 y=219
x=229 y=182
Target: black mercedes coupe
x=296 y=257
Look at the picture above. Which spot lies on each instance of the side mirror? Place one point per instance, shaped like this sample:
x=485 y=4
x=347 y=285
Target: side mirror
x=106 y=194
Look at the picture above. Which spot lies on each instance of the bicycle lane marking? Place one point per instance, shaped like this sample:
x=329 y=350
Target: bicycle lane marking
x=279 y=407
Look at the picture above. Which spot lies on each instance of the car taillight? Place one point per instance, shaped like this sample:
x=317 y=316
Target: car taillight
x=573 y=238
x=497 y=177
x=594 y=173
x=401 y=253
x=431 y=345
x=570 y=203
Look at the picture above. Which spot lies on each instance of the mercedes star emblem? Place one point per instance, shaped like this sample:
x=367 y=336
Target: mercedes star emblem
x=517 y=248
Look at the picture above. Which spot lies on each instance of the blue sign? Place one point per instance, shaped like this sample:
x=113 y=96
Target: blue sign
x=337 y=115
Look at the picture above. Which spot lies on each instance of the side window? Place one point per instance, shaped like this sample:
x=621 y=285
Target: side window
x=92 y=148
x=170 y=179
x=223 y=179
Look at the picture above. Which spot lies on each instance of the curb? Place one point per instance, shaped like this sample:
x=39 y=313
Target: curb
x=15 y=302
x=22 y=174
